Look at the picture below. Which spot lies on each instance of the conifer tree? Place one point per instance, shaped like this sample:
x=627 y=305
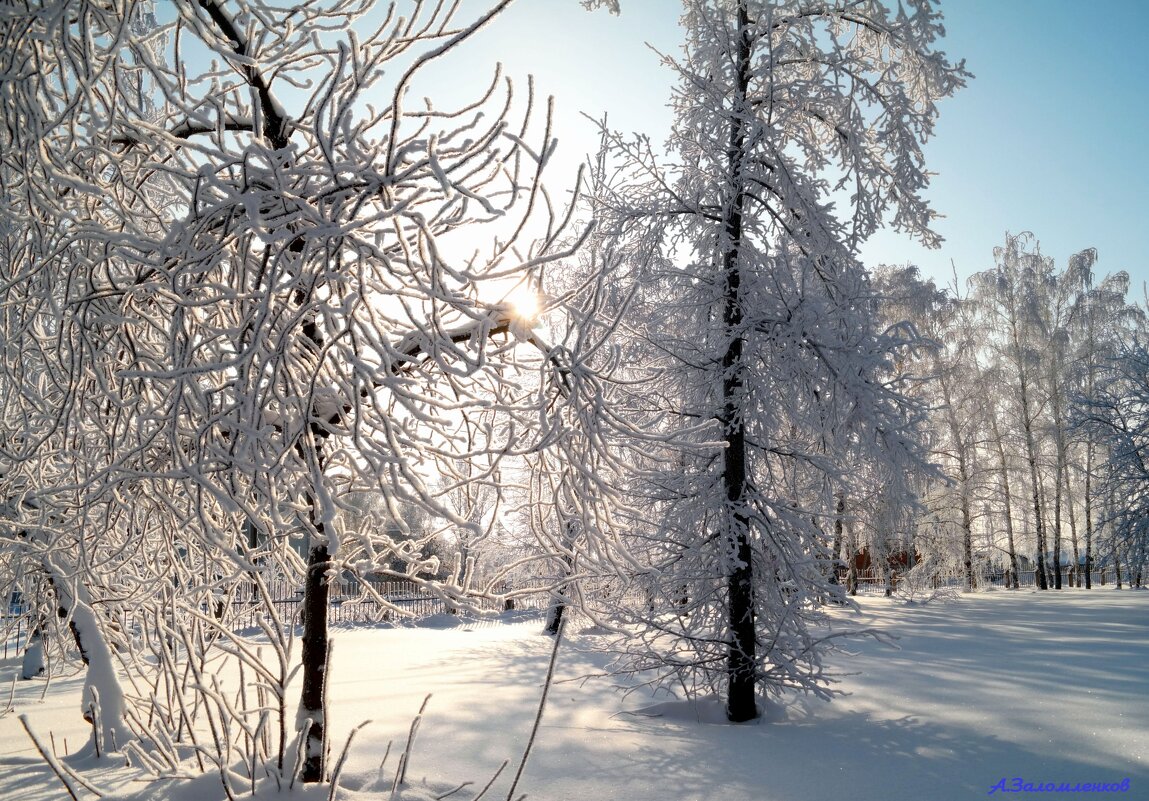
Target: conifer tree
x=798 y=134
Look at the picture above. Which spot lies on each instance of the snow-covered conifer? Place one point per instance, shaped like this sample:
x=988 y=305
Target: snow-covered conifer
x=798 y=134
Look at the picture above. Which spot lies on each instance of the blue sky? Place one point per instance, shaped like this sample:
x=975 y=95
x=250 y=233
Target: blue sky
x=1051 y=136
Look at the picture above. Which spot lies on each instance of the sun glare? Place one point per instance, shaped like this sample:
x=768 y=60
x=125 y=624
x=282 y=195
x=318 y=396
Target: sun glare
x=524 y=302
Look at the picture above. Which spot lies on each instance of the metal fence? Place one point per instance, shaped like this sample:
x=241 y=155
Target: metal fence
x=1028 y=578
x=383 y=601
x=874 y=584
x=349 y=604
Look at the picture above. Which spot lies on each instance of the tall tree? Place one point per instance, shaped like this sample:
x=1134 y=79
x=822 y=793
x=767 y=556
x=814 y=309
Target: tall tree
x=759 y=318
x=1048 y=332
x=998 y=444
x=1106 y=320
x=945 y=376
x=1115 y=415
x=1013 y=299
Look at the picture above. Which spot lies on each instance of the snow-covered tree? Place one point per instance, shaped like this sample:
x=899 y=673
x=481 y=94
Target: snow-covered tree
x=1012 y=301
x=1116 y=417
x=798 y=134
x=1045 y=332
x=260 y=277
x=946 y=376
x=1106 y=322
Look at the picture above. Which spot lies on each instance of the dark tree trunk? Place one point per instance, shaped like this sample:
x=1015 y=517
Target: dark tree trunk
x=555 y=617
x=313 y=699
x=1117 y=564
x=1057 y=526
x=1059 y=475
x=315 y=657
x=742 y=651
x=1030 y=453
x=252 y=542
x=559 y=604
x=967 y=546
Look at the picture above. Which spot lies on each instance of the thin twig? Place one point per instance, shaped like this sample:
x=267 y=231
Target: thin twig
x=450 y=793
x=402 y=777
x=383 y=761
x=51 y=760
x=542 y=706
x=487 y=786
x=342 y=759
x=299 y=752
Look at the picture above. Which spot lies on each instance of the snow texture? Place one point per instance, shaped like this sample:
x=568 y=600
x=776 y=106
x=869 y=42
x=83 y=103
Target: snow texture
x=1043 y=687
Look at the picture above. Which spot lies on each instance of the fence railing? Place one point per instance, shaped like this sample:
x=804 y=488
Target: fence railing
x=1028 y=578
x=874 y=584
x=350 y=603
x=389 y=601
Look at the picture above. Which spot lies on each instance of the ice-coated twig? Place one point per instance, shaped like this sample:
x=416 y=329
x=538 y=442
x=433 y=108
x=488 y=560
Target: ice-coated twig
x=342 y=759
x=56 y=767
x=492 y=780
x=558 y=636
x=405 y=757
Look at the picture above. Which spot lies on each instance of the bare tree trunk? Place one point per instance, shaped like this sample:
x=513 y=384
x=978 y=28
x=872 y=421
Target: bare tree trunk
x=839 y=524
x=1060 y=472
x=963 y=480
x=1030 y=452
x=1057 y=532
x=967 y=543
x=252 y=542
x=1117 y=561
x=1088 y=516
x=314 y=660
x=555 y=617
x=313 y=698
x=1035 y=480
x=1075 y=574
x=742 y=651
x=558 y=605
x=851 y=564
x=1057 y=525
x=1004 y=467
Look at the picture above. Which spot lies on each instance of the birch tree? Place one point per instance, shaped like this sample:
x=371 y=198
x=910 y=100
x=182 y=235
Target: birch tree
x=1012 y=299
x=1048 y=332
x=946 y=377
x=1106 y=320
x=963 y=416
x=798 y=134
x=1115 y=416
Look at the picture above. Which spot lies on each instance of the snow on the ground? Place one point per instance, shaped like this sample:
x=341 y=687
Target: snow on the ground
x=1043 y=687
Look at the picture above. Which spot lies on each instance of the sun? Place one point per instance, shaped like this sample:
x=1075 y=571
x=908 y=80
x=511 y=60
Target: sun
x=524 y=303
x=519 y=304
